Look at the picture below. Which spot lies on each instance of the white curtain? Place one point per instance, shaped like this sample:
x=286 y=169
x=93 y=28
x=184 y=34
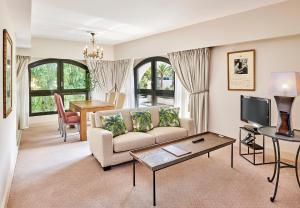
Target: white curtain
x=128 y=89
x=121 y=70
x=102 y=74
x=192 y=69
x=23 y=92
x=109 y=76
x=181 y=99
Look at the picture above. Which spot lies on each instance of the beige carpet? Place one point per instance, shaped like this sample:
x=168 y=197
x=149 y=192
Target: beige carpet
x=51 y=173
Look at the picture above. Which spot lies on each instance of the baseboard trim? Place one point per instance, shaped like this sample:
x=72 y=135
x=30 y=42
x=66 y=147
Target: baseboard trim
x=7 y=189
x=4 y=201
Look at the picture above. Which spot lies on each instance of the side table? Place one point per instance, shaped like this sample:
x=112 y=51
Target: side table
x=271 y=132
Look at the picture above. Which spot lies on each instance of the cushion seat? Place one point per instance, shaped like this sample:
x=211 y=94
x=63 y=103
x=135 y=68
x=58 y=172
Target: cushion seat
x=165 y=134
x=73 y=119
x=132 y=140
x=71 y=114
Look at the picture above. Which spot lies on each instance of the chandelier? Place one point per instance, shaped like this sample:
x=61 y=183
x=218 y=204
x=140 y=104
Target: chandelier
x=96 y=52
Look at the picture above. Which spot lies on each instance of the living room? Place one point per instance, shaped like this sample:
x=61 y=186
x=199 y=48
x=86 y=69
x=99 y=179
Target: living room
x=200 y=41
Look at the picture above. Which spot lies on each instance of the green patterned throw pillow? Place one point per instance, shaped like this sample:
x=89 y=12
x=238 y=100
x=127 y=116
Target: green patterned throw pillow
x=169 y=117
x=114 y=123
x=142 y=121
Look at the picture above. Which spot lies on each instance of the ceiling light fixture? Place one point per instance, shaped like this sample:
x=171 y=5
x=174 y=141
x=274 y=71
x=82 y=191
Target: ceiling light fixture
x=96 y=52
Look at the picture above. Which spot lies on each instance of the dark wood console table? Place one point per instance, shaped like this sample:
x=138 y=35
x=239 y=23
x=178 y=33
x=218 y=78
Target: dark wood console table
x=271 y=132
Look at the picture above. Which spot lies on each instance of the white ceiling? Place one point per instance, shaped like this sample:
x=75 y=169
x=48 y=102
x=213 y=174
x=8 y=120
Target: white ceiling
x=117 y=21
x=22 y=21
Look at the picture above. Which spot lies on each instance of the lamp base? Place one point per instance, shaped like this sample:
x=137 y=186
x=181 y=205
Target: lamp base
x=284 y=106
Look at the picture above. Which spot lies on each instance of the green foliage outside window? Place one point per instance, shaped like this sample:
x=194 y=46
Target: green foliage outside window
x=74 y=77
x=68 y=98
x=146 y=78
x=60 y=77
x=44 y=77
x=164 y=70
x=40 y=104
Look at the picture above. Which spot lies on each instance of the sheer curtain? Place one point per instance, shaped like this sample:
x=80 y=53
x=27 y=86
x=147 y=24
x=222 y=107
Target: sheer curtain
x=103 y=77
x=23 y=91
x=192 y=69
x=181 y=99
x=111 y=76
x=121 y=70
x=128 y=89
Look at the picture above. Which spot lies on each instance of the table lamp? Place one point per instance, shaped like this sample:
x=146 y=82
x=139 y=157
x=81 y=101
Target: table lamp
x=285 y=86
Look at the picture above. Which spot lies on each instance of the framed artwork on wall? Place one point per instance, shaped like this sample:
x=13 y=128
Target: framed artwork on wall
x=241 y=70
x=7 y=73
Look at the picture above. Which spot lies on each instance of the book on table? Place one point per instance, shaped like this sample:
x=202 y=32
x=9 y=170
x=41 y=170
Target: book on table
x=175 y=150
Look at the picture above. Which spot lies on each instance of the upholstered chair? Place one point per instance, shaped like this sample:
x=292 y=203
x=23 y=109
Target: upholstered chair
x=67 y=118
x=59 y=119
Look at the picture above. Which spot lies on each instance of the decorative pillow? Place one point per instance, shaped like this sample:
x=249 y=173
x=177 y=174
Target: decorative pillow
x=114 y=123
x=141 y=121
x=169 y=117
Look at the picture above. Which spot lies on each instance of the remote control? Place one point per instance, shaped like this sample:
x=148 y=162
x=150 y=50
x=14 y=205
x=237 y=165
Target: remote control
x=198 y=140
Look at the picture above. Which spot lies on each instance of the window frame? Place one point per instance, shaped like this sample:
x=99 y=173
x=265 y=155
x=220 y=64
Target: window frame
x=60 y=82
x=154 y=92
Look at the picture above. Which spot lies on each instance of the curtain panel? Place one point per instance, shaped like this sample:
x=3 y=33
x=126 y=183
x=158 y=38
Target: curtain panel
x=192 y=69
x=109 y=76
x=22 y=91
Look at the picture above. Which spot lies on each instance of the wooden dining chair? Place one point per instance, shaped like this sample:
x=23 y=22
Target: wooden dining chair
x=66 y=118
x=110 y=97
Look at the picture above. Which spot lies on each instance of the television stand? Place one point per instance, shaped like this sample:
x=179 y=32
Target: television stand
x=251 y=128
x=250 y=143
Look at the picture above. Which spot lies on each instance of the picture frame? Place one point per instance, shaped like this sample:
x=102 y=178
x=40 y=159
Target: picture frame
x=7 y=73
x=241 y=70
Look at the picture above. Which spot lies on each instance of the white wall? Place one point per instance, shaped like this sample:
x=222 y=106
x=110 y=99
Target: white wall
x=8 y=146
x=280 y=54
x=264 y=26
x=48 y=48
x=268 y=22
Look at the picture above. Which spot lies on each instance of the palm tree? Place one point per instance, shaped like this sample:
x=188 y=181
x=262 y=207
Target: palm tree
x=164 y=70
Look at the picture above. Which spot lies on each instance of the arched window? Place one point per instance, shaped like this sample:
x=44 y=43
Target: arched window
x=154 y=81
x=49 y=76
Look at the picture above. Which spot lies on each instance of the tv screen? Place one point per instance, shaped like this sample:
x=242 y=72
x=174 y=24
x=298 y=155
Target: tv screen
x=256 y=110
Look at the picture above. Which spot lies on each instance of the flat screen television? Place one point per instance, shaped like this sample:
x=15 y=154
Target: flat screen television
x=256 y=111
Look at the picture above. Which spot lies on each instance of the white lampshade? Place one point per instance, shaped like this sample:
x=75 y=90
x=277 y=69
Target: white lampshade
x=286 y=84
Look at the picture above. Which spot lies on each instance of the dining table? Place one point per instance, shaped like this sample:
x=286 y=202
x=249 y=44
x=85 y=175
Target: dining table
x=88 y=106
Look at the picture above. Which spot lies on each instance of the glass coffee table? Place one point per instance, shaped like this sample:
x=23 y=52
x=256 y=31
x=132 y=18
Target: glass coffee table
x=155 y=158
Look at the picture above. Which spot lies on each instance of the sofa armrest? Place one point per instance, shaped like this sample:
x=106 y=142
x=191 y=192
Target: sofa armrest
x=101 y=145
x=188 y=124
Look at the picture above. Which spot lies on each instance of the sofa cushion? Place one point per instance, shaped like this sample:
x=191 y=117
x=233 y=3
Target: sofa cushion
x=132 y=140
x=154 y=110
x=114 y=124
x=141 y=121
x=125 y=114
x=169 y=117
x=165 y=134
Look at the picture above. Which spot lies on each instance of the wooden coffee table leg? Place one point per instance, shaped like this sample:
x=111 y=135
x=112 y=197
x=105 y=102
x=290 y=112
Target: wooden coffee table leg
x=231 y=155
x=154 y=192
x=133 y=169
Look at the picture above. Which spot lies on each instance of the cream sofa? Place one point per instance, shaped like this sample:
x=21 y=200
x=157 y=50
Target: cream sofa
x=112 y=151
